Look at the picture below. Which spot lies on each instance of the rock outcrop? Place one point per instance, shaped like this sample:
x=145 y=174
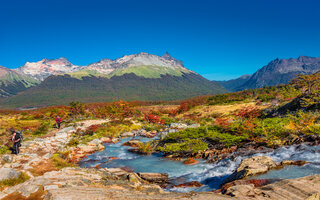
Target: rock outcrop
x=297 y=189
x=88 y=184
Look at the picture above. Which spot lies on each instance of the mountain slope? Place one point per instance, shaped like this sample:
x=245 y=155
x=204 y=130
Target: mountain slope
x=281 y=71
x=12 y=82
x=63 y=89
x=233 y=84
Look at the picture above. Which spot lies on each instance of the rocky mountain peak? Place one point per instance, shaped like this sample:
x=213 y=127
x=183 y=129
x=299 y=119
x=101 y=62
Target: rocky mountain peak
x=46 y=67
x=167 y=56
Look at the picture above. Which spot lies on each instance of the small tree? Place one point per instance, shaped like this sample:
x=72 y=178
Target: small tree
x=307 y=83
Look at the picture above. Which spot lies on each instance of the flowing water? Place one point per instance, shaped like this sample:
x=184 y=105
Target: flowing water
x=210 y=175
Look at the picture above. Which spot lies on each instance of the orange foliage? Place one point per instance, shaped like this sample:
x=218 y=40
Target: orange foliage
x=248 y=112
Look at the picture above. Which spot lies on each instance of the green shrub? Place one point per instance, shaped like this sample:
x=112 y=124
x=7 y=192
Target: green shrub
x=60 y=161
x=4 y=149
x=43 y=129
x=14 y=181
x=188 y=146
x=73 y=142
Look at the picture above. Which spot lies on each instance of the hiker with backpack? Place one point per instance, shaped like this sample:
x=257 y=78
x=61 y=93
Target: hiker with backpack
x=58 y=121
x=16 y=139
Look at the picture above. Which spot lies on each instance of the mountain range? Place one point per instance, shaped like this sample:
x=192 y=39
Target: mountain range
x=140 y=76
x=278 y=71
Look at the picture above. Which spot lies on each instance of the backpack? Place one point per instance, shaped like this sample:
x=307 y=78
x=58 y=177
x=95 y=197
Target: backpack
x=19 y=135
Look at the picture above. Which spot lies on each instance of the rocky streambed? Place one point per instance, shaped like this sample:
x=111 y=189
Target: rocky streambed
x=204 y=175
x=109 y=171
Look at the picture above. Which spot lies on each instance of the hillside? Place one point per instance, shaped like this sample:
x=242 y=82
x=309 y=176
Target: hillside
x=281 y=71
x=12 y=82
x=60 y=89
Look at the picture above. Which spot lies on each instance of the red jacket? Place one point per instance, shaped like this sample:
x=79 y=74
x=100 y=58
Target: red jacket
x=58 y=120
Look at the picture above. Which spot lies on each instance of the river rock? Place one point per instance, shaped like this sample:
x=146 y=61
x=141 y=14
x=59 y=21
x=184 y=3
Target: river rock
x=189 y=184
x=253 y=166
x=132 y=143
x=293 y=162
x=183 y=126
x=8 y=173
x=7 y=158
x=127 y=134
x=190 y=161
x=159 y=178
x=106 y=140
x=134 y=178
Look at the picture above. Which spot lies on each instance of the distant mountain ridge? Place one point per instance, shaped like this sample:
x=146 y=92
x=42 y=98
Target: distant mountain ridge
x=233 y=84
x=140 y=76
x=278 y=71
x=12 y=82
x=45 y=67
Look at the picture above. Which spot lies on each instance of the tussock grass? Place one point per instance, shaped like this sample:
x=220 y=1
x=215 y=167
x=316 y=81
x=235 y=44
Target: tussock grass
x=14 y=181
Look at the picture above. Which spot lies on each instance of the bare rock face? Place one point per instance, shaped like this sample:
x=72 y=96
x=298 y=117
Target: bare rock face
x=298 y=189
x=45 y=67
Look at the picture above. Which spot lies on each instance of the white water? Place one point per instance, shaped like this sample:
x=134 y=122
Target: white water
x=211 y=175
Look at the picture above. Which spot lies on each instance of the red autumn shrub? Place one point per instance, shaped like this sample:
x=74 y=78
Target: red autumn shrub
x=152 y=118
x=248 y=112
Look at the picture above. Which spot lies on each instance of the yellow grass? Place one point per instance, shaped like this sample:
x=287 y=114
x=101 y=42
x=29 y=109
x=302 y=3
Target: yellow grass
x=219 y=110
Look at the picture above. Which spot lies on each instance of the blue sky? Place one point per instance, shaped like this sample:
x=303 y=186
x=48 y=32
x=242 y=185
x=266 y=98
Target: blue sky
x=220 y=39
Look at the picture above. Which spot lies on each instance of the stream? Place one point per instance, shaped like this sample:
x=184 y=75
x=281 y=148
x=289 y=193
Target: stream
x=210 y=175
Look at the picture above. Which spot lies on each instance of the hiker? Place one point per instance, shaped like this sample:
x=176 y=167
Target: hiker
x=16 y=139
x=58 y=121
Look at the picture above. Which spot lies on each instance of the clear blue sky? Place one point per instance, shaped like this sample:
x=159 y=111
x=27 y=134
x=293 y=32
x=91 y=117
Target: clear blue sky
x=220 y=39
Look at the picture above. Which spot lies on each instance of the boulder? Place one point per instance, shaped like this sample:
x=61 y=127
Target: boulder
x=190 y=161
x=253 y=166
x=7 y=158
x=8 y=173
x=132 y=143
x=159 y=178
x=95 y=142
